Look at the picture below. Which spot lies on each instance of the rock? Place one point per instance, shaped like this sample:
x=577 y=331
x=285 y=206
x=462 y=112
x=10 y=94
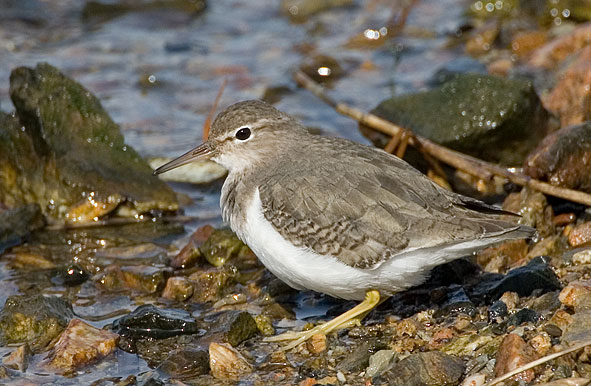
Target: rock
x=580 y=236
x=457 y=303
x=577 y=294
x=562 y=158
x=265 y=325
x=498 y=257
x=380 y=362
x=79 y=345
x=496 y=119
x=18 y=359
x=316 y=344
x=35 y=320
x=534 y=210
x=568 y=382
x=358 y=360
x=524 y=315
x=227 y=363
x=536 y=275
x=497 y=312
x=208 y=285
x=178 y=288
x=150 y=321
x=142 y=278
x=186 y=363
x=481 y=40
x=221 y=246
x=582 y=257
x=571 y=98
x=513 y=353
x=579 y=328
x=549 y=55
x=72 y=275
x=197 y=172
x=441 y=337
x=541 y=343
x=432 y=368
x=16 y=224
x=70 y=158
x=525 y=42
x=301 y=10
x=455 y=67
x=190 y=253
x=231 y=327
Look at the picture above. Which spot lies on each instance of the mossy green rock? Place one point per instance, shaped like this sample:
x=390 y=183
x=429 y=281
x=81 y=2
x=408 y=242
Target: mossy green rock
x=62 y=151
x=496 y=119
x=222 y=245
x=35 y=320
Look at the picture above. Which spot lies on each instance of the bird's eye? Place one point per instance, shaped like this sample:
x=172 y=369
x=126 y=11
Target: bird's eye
x=243 y=134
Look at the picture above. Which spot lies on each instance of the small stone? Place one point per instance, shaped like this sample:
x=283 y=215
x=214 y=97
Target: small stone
x=525 y=42
x=541 y=343
x=441 y=337
x=581 y=235
x=561 y=319
x=549 y=55
x=432 y=368
x=564 y=219
x=190 y=253
x=178 y=288
x=143 y=278
x=264 y=325
x=227 y=363
x=341 y=377
x=513 y=353
x=208 y=285
x=232 y=327
x=380 y=362
x=510 y=299
x=79 y=345
x=358 y=360
x=149 y=321
x=316 y=344
x=185 y=363
x=474 y=380
x=576 y=294
x=579 y=330
x=582 y=257
x=18 y=359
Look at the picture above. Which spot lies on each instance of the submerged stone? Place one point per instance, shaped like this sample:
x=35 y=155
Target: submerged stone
x=35 y=320
x=499 y=120
x=186 y=363
x=62 y=151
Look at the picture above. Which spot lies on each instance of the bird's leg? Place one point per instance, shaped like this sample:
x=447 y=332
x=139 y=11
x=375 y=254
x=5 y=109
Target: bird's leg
x=372 y=299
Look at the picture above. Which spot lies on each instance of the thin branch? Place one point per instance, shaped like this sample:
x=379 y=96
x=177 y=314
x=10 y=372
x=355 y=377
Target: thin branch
x=537 y=362
x=474 y=166
x=207 y=123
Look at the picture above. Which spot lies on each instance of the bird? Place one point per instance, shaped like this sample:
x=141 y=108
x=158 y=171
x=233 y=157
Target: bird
x=335 y=216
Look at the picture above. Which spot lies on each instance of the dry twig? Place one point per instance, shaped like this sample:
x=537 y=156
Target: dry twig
x=207 y=123
x=474 y=166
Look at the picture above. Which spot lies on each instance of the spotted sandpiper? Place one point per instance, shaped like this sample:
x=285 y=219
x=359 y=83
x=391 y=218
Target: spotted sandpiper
x=336 y=216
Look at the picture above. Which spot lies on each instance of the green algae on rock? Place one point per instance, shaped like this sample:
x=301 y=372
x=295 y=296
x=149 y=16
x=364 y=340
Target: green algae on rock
x=499 y=120
x=35 y=320
x=62 y=151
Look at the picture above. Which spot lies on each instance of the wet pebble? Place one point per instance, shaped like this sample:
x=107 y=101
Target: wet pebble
x=178 y=288
x=190 y=253
x=428 y=368
x=186 y=363
x=18 y=359
x=79 y=345
x=316 y=344
x=73 y=275
x=580 y=236
x=143 y=278
x=227 y=363
x=380 y=362
x=150 y=321
x=358 y=360
x=576 y=294
x=514 y=352
x=209 y=284
x=231 y=327
x=582 y=257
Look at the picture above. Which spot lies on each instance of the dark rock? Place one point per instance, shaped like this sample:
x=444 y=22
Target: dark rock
x=17 y=224
x=358 y=360
x=186 y=363
x=497 y=311
x=62 y=151
x=546 y=304
x=499 y=120
x=72 y=275
x=562 y=158
x=453 y=68
x=322 y=68
x=457 y=303
x=222 y=245
x=150 y=321
x=35 y=320
x=432 y=368
x=524 y=315
x=231 y=327
x=536 y=275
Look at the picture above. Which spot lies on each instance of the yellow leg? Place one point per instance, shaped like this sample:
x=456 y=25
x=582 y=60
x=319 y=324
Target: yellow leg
x=353 y=316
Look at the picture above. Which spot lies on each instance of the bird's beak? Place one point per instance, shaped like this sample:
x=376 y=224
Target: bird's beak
x=201 y=152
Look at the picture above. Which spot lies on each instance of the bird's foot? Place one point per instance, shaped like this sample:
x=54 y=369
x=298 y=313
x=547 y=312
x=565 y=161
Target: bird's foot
x=348 y=319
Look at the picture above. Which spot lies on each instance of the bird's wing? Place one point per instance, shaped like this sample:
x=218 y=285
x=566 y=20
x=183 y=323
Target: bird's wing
x=366 y=206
